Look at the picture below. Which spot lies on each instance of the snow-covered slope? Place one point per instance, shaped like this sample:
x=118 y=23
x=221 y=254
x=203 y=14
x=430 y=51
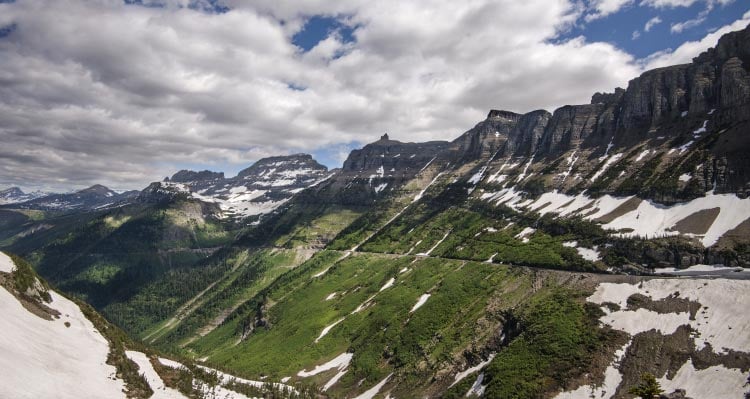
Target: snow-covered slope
x=707 y=218
x=52 y=350
x=87 y=199
x=15 y=195
x=718 y=321
x=60 y=358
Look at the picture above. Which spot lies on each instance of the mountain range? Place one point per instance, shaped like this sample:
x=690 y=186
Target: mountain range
x=534 y=256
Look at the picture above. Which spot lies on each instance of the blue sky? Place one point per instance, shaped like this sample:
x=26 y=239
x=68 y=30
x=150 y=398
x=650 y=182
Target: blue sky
x=123 y=93
x=618 y=28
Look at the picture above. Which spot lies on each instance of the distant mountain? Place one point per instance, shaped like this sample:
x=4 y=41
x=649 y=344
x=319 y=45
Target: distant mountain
x=15 y=195
x=88 y=199
x=256 y=190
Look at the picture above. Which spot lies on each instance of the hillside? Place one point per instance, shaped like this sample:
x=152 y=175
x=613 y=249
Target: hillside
x=55 y=347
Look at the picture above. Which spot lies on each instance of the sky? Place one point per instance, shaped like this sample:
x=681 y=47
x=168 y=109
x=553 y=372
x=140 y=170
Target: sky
x=123 y=93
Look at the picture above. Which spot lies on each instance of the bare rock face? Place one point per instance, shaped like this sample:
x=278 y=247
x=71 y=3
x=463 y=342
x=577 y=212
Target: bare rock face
x=570 y=126
x=656 y=94
x=488 y=136
x=526 y=137
x=185 y=176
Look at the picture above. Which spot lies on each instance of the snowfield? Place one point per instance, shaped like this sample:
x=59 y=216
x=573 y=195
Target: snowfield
x=723 y=322
x=145 y=368
x=6 y=263
x=648 y=219
x=46 y=359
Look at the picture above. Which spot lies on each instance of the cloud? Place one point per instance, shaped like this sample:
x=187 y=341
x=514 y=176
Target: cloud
x=688 y=50
x=103 y=92
x=602 y=8
x=636 y=35
x=651 y=23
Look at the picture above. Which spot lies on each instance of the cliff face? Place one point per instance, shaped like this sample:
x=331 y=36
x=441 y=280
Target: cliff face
x=676 y=111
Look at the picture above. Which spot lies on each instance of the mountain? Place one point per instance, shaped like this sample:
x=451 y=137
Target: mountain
x=15 y=195
x=535 y=255
x=88 y=199
x=256 y=190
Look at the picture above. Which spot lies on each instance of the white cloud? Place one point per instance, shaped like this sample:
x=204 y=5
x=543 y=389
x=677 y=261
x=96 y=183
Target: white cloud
x=651 y=23
x=688 y=50
x=636 y=35
x=690 y=23
x=98 y=91
x=602 y=8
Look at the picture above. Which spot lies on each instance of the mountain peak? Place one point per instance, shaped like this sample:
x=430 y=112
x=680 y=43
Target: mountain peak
x=96 y=189
x=496 y=113
x=184 y=176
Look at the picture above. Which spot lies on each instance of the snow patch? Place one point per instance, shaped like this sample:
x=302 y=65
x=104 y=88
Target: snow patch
x=327 y=329
x=154 y=380
x=370 y=393
x=339 y=362
x=607 y=164
x=6 y=263
x=388 y=284
x=421 y=301
x=46 y=359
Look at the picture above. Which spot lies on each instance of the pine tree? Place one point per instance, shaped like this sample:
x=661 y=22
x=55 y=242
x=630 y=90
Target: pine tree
x=649 y=388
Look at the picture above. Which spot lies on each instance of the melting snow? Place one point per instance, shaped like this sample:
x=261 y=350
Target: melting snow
x=460 y=376
x=649 y=219
x=607 y=164
x=331 y=296
x=684 y=177
x=436 y=245
x=420 y=302
x=724 y=302
x=327 y=329
x=710 y=383
x=642 y=155
x=46 y=359
x=370 y=393
x=154 y=380
x=339 y=362
x=701 y=129
x=589 y=254
x=612 y=379
x=6 y=263
x=388 y=284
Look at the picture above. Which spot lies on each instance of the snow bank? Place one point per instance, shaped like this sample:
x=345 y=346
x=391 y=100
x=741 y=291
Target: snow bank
x=649 y=219
x=724 y=305
x=710 y=383
x=46 y=359
x=612 y=379
x=422 y=300
x=339 y=362
x=388 y=284
x=327 y=329
x=460 y=376
x=6 y=263
x=146 y=369
x=370 y=393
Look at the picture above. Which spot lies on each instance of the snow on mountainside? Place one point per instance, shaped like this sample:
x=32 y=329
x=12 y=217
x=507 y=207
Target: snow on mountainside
x=91 y=198
x=50 y=349
x=257 y=190
x=62 y=358
x=15 y=195
x=713 y=313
